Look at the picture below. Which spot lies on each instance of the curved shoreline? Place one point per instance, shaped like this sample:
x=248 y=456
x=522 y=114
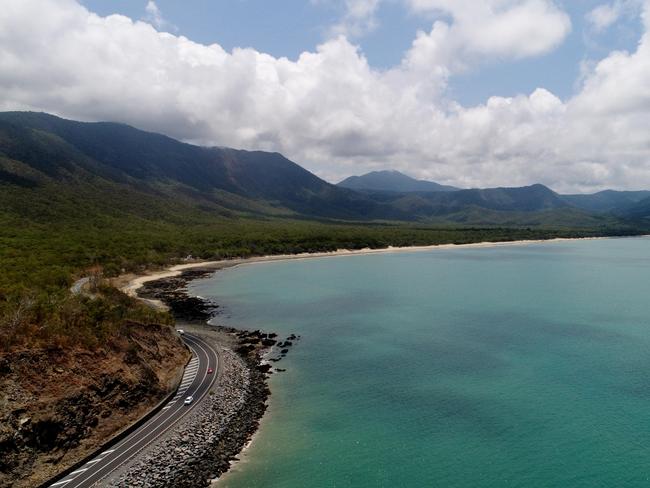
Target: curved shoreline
x=135 y=282
x=219 y=450
x=194 y=271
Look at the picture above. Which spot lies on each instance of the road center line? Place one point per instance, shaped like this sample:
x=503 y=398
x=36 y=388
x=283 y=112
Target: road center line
x=143 y=438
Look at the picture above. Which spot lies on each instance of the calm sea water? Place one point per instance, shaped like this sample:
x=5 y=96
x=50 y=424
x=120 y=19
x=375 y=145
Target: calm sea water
x=522 y=366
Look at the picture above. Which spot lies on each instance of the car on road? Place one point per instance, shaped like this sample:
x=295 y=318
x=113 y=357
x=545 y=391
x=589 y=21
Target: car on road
x=188 y=400
x=180 y=331
x=210 y=371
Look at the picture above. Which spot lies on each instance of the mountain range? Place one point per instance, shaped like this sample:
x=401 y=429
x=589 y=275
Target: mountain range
x=391 y=180
x=51 y=166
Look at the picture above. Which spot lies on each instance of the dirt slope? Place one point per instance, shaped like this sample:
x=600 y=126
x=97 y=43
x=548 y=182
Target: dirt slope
x=58 y=405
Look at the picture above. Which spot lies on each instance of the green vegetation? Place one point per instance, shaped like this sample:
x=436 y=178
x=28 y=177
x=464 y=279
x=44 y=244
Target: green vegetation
x=49 y=255
x=391 y=181
x=38 y=262
x=58 y=319
x=75 y=196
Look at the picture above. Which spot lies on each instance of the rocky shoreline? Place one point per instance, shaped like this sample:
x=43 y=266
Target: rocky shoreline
x=204 y=445
x=173 y=293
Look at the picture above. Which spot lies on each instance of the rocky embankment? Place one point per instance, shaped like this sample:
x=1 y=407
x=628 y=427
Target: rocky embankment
x=59 y=405
x=195 y=451
x=210 y=439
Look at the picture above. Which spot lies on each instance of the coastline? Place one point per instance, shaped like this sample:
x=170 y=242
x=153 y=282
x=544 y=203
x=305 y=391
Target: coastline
x=130 y=283
x=175 y=278
x=228 y=434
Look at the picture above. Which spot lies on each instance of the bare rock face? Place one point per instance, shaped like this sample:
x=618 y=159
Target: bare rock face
x=58 y=405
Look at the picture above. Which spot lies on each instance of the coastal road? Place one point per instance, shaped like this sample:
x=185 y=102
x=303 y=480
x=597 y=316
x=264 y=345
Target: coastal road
x=196 y=382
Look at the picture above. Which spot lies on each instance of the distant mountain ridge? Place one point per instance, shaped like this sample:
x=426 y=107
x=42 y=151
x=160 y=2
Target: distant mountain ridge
x=421 y=197
x=639 y=211
x=51 y=167
x=607 y=200
x=391 y=180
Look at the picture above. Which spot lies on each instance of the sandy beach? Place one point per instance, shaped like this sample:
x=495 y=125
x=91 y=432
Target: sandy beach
x=130 y=284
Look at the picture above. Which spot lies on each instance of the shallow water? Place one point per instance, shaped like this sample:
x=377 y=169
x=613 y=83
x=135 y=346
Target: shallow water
x=520 y=366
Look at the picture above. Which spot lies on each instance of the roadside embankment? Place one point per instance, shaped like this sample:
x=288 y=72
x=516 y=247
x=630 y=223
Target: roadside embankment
x=201 y=446
x=206 y=443
x=60 y=404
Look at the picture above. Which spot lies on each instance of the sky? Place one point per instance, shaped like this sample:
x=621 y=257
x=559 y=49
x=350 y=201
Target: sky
x=473 y=93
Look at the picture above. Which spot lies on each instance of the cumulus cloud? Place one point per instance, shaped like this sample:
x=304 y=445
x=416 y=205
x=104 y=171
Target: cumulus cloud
x=511 y=29
x=329 y=109
x=154 y=16
x=359 y=19
x=604 y=15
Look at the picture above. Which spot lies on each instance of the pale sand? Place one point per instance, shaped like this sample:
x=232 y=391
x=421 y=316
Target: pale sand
x=134 y=282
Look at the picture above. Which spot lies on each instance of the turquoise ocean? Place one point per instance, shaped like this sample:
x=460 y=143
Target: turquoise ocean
x=513 y=366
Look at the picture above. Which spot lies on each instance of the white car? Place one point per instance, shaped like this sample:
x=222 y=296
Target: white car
x=180 y=331
x=188 y=400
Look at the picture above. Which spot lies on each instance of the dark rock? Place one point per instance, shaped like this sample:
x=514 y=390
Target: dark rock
x=5 y=366
x=194 y=469
x=172 y=291
x=264 y=368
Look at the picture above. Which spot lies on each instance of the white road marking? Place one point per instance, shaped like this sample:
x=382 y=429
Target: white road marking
x=61 y=482
x=79 y=471
x=94 y=461
x=156 y=432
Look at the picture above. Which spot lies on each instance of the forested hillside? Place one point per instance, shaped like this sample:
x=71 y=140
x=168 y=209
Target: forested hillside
x=78 y=195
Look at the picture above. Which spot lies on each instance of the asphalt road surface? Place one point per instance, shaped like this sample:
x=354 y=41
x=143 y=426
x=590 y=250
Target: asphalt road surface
x=196 y=382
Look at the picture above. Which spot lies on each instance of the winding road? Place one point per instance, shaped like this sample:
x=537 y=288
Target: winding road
x=196 y=382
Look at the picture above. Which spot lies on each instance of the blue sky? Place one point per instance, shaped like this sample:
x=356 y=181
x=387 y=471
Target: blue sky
x=290 y=27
